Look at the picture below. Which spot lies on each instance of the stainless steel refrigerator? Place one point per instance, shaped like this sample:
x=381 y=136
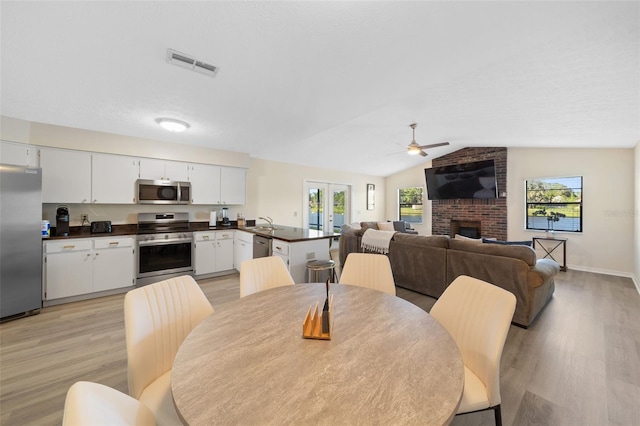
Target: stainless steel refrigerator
x=20 y=241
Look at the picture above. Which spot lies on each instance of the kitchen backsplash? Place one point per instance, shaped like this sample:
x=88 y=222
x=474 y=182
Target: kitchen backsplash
x=122 y=214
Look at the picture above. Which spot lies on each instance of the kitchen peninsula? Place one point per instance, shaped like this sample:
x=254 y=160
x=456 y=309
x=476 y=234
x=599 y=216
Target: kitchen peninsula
x=296 y=246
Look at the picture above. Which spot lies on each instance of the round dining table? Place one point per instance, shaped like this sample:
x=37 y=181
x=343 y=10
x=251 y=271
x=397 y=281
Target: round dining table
x=388 y=362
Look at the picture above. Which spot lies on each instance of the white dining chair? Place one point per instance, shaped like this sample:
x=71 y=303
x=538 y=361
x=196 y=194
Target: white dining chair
x=90 y=403
x=158 y=317
x=477 y=314
x=263 y=273
x=368 y=270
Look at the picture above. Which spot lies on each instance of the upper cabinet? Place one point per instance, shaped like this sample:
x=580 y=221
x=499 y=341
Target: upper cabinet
x=154 y=169
x=205 y=183
x=77 y=177
x=217 y=184
x=233 y=185
x=18 y=154
x=66 y=176
x=113 y=179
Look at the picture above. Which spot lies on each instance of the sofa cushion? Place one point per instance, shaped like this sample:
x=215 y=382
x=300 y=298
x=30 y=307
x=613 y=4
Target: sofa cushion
x=441 y=241
x=385 y=226
x=524 y=253
x=463 y=238
x=508 y=243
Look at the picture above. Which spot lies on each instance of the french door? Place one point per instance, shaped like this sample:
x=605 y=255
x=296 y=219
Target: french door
x=327 y=206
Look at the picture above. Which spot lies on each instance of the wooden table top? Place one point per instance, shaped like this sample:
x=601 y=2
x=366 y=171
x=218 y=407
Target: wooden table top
x=388 y=362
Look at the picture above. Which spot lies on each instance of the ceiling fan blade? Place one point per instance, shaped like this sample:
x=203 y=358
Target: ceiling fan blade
x=424 y=154
x=434 y=145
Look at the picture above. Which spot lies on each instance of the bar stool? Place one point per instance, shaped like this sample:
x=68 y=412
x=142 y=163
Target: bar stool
x=315 y=267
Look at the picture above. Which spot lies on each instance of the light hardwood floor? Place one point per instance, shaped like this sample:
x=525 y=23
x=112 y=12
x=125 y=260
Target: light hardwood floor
x=578 y=364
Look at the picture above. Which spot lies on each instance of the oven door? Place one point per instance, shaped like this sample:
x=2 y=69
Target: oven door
x=156 y=258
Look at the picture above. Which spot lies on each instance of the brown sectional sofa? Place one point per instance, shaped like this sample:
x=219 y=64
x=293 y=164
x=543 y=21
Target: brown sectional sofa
x=428 y=264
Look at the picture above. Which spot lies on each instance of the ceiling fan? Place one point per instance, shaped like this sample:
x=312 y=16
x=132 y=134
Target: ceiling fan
x=414 y=149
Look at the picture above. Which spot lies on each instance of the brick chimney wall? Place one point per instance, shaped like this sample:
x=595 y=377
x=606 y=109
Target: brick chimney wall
x=491 y=213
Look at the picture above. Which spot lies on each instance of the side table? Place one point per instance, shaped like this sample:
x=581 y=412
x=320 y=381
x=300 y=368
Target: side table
x=549 y=245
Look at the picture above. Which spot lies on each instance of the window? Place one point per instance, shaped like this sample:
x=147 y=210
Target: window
x=410 y=204
x=554 y=204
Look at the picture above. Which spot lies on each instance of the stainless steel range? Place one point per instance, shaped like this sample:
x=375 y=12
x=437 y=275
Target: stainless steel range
x=164 y=246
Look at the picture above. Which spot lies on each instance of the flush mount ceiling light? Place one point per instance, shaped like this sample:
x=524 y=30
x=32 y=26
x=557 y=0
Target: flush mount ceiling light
x=173 y=125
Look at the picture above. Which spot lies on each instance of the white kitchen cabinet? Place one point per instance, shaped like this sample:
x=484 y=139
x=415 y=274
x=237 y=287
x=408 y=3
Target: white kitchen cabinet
x=82 y=266
x=18 y=154
x=243 y=248
x=213 y=252
x=217 y=184
x=66 y=176
x=233 y=185
x=68 y=268
x=154 y=169
x=224 y=250
x=204 y=253
x=297 y=254
x=113 y=263
x=205 y=183
x=113 y=179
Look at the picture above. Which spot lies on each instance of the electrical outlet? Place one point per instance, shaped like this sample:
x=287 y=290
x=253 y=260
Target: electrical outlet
x=84 y=218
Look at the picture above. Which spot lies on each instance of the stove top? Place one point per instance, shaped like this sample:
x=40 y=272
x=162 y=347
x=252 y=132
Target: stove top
x=156 y=223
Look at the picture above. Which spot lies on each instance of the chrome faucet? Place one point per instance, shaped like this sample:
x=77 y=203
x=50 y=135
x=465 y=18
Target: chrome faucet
x=268 y=220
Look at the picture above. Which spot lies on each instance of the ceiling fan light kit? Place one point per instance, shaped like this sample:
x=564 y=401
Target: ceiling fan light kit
x=414 y=149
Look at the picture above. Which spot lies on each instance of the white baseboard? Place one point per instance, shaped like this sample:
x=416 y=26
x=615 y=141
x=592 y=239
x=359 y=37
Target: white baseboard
x=634 y=279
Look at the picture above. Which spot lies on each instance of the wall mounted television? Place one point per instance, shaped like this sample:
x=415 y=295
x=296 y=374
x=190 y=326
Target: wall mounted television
x=476 y=179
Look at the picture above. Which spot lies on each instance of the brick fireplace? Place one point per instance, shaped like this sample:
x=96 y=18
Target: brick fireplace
x=489 y=216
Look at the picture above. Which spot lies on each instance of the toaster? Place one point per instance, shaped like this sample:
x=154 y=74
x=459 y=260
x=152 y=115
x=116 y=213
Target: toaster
x=101 y=227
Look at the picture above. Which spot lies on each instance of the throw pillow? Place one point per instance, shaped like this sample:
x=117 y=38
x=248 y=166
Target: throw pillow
x=508 y=243
x=463 y=238
x=385 y=226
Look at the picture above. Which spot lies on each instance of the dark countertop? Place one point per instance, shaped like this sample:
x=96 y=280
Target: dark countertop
x=284 y=233
x=291 y=234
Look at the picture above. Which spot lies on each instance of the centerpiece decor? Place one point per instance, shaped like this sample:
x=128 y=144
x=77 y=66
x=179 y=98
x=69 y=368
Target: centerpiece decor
x=318 y=325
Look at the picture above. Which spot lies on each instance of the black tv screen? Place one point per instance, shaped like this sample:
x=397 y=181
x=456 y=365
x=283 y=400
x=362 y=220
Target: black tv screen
x=468 y=180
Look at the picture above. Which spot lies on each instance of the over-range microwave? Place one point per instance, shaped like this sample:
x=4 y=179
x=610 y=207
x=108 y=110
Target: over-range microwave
x=163 y=192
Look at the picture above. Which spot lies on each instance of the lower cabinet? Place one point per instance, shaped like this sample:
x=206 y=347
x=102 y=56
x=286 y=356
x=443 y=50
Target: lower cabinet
x=297 y=254
x=243 y=248
x=83 y=266
x=213 y=252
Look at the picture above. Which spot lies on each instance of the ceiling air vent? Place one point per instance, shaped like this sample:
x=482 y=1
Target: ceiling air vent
x=187 y=61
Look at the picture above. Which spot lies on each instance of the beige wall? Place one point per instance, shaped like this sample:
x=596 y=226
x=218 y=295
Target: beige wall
x=277 y=190
x=408 y=178
x=606 y=243
x=637 y=215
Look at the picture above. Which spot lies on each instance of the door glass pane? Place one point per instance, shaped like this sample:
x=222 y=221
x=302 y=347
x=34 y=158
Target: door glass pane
x=339 y=209
x=316 y=203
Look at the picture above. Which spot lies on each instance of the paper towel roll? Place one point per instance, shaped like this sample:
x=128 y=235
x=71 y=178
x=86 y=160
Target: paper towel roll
x=213 y=218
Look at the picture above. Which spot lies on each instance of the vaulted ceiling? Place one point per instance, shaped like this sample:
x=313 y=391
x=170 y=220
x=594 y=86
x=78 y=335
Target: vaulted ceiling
x=332 y=84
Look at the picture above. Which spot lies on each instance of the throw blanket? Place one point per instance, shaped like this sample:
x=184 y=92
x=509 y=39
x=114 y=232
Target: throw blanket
x=377 y=241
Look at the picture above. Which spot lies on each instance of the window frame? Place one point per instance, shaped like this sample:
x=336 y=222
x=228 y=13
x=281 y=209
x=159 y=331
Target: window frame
x=400 y=205
x=554 y=211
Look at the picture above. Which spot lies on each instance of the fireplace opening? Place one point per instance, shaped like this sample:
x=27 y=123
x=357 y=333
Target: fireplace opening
x=466 y=228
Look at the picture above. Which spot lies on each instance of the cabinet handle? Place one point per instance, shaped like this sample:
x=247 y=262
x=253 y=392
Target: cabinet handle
x=205 y=237
x=68 y=247
x=97 y=254
x=95 y=201
x=114 y=243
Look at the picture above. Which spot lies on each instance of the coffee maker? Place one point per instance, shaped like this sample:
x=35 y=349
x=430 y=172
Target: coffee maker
x=62 y=221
